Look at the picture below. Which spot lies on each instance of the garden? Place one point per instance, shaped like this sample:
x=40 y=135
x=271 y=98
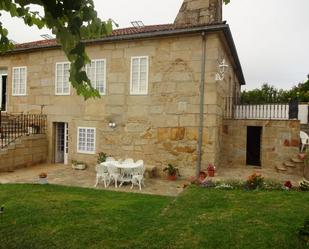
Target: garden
x=51 y=216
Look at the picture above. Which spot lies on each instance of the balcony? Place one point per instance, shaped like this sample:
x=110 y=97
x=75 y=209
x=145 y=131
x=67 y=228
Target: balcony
x=284 y=111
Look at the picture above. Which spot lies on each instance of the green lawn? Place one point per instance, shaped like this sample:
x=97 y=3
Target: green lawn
x=61 y=217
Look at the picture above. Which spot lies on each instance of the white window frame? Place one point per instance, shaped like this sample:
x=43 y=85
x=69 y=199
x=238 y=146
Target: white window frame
x=95 y=75
x=56 y=77
x=94 y=141
x=147 y=75
x=19 y=94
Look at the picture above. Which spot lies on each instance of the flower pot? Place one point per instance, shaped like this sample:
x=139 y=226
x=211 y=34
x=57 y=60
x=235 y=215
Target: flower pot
x=79 y=166
x=172 y=177
x=43 y=180
x=211 y=173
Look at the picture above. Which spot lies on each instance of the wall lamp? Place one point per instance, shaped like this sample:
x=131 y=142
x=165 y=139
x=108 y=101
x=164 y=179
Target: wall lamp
x=222 y=70
x=112 y=124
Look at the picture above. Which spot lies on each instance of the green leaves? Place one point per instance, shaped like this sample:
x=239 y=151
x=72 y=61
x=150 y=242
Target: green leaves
x=70 y=21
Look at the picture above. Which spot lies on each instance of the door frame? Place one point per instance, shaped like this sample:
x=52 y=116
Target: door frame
x=65 y=141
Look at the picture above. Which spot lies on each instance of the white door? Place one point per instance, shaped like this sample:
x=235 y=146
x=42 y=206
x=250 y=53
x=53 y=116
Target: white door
x=66 y=142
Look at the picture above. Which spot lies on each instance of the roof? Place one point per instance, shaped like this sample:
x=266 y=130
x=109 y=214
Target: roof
x=150 y=31
x=115 y=33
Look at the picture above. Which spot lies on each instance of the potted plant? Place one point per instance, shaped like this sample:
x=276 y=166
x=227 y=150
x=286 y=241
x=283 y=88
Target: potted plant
x=102 y=157
x=172 y=172
x=211 y=170
x=43 y=178
x=79 y=165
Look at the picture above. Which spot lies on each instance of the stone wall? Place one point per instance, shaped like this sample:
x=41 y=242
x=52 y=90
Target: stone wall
x=280 y=141
x=26 y=151
x=159 y=128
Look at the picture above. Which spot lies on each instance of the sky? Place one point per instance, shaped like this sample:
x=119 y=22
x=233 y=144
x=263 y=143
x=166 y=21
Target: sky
x=271 y=36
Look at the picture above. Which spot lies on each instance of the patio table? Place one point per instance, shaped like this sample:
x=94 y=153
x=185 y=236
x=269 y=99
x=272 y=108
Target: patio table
x=125 y=170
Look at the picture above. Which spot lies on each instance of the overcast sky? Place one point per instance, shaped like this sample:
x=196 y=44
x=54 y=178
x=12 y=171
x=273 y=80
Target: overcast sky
x=271 y=36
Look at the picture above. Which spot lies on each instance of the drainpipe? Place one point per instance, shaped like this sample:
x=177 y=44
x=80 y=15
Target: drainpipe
x=202 y=92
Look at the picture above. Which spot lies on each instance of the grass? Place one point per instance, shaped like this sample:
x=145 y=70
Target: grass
x=62 y=217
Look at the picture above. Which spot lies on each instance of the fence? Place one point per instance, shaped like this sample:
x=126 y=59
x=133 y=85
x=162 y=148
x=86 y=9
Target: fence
x=292 y=110
x=21 y=125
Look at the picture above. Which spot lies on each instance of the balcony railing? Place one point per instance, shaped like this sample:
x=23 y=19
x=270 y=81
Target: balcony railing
x=285 y=111
x=20 y=125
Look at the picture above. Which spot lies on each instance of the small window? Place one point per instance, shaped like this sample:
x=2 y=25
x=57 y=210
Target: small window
x=86 y=140
x=139 y=76
x=62 y=86
x=96 y=72
x=19 y=81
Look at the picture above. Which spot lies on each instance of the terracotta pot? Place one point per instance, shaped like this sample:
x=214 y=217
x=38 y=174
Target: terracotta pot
x=211 y=173
x=172 y=177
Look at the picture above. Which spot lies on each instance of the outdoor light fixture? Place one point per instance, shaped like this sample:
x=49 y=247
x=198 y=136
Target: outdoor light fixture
x=112 y=124
x=222 y=70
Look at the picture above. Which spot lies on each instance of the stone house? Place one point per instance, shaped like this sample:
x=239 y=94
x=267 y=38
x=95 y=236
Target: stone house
x=150 y=79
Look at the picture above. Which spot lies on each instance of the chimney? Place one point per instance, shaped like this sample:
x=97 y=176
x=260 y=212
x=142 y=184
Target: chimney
x=199 y=12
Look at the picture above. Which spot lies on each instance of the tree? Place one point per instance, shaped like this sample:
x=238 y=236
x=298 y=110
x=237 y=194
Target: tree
x=269 y=94
x=71 y=21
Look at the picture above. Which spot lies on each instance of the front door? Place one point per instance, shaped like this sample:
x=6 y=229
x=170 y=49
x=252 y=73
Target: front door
x=61 y=143
x=3 y=84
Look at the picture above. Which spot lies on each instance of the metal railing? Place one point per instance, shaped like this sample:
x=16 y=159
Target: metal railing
x=21 y=125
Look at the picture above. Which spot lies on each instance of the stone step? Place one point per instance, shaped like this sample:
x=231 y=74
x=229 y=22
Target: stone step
x=289 y=164
x=281 y=169
x=296 y=160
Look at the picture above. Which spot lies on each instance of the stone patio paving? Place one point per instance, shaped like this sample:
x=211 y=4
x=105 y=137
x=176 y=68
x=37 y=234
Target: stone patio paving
x=64 y=175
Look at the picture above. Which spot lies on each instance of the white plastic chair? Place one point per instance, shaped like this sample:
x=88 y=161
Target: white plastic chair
x=304 y=138
x=102 y=174
x=114 y=174
x=128 y=160
x=110 y=159
x=138 y=175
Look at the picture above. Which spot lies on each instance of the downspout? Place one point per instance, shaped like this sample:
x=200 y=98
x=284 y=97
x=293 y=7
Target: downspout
x=202 y=93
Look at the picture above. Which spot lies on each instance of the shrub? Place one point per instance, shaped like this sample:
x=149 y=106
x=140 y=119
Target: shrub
x=255 y=181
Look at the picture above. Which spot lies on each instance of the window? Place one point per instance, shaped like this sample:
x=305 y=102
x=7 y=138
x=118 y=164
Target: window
x=19 y=81
x=86 y=140
x=96 y=72
x=62 y=78
x=139 y=75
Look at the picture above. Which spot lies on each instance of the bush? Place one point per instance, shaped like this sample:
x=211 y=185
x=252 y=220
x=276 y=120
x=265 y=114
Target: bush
x=255 y=181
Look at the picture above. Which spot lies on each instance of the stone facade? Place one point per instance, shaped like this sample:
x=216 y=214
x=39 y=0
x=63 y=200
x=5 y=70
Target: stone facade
x=24 y=152
x=160 y=127
x=199 y=12
x=279 y=142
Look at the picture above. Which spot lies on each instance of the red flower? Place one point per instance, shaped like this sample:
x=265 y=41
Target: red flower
x=288 y=184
